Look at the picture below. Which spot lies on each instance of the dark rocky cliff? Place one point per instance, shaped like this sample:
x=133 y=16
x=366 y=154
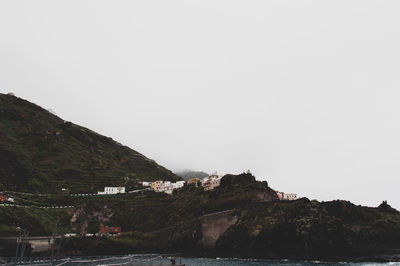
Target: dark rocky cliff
x=303 y=229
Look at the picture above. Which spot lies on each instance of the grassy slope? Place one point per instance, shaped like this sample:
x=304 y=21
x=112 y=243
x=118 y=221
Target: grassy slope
x=41 y=152
x=39 y=222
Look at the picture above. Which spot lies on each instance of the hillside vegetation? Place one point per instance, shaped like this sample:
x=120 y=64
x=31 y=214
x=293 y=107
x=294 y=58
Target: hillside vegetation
x=146 y=212
x=40 y=152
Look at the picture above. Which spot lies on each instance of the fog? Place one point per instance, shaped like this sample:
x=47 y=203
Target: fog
x=303 y=93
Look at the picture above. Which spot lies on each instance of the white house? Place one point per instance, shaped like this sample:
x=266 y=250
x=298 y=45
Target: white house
x=157 y=186
x=178 y=184
x=290 y=196
x=146 y=184
x=114 y=190
x=211 y=182
x=167 y=187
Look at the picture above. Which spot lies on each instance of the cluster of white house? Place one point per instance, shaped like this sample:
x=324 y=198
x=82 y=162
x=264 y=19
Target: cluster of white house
x=164 y=186
x=168 y=187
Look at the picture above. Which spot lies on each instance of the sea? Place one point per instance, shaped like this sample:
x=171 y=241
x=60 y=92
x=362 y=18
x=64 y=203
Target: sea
x=257 y=262
x=164 y=260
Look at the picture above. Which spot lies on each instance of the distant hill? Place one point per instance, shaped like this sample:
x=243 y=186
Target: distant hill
x=188 y=174
x=41 y=152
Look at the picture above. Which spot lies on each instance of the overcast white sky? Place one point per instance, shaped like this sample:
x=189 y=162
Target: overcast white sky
x=305 y=94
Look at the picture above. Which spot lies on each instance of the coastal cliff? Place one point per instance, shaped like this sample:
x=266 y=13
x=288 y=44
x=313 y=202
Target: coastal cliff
x=232 y=221
x=241 y=218
x=304 y=229
x=298 y=230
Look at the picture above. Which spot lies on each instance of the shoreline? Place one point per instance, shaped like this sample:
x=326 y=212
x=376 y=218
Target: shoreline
x=138 y=255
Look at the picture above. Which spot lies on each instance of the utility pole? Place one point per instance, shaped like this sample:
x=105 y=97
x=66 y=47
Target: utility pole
x=21 y=244
x=18 y=243
x=25 y=234
x=52 y=248
x=59 y=246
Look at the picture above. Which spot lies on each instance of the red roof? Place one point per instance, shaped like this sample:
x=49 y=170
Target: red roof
x=110 y=229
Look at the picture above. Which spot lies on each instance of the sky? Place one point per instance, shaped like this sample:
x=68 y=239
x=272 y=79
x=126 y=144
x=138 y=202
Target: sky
x=304 y=94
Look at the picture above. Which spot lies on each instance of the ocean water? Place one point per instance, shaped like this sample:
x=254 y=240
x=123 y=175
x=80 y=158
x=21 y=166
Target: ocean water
x=162 y=260
x=253 y=262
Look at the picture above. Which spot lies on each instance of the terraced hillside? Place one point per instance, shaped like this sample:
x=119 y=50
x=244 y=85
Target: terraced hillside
x=40 y=152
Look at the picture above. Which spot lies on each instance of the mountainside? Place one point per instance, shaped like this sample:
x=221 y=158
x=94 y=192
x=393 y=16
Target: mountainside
x=188 y=174
x=40 y=152
x=240 y=218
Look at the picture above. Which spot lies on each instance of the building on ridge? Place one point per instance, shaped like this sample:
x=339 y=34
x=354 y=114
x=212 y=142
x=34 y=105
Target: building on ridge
x=286 y=196
x=211 y=182
x=289 y=196
x=109 y=230
x=156 y=185
x=2 y=198
x=178 y=184
x=145 y=184
x=279 y=194
x=194 y=181
x=112 y=190
x=166 y=186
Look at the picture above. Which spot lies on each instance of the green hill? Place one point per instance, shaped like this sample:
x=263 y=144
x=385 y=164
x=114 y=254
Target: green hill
x=40 y=152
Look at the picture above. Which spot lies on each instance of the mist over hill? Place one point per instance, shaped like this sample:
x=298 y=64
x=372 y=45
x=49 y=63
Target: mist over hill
x=40 y=152
x=188 y=174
